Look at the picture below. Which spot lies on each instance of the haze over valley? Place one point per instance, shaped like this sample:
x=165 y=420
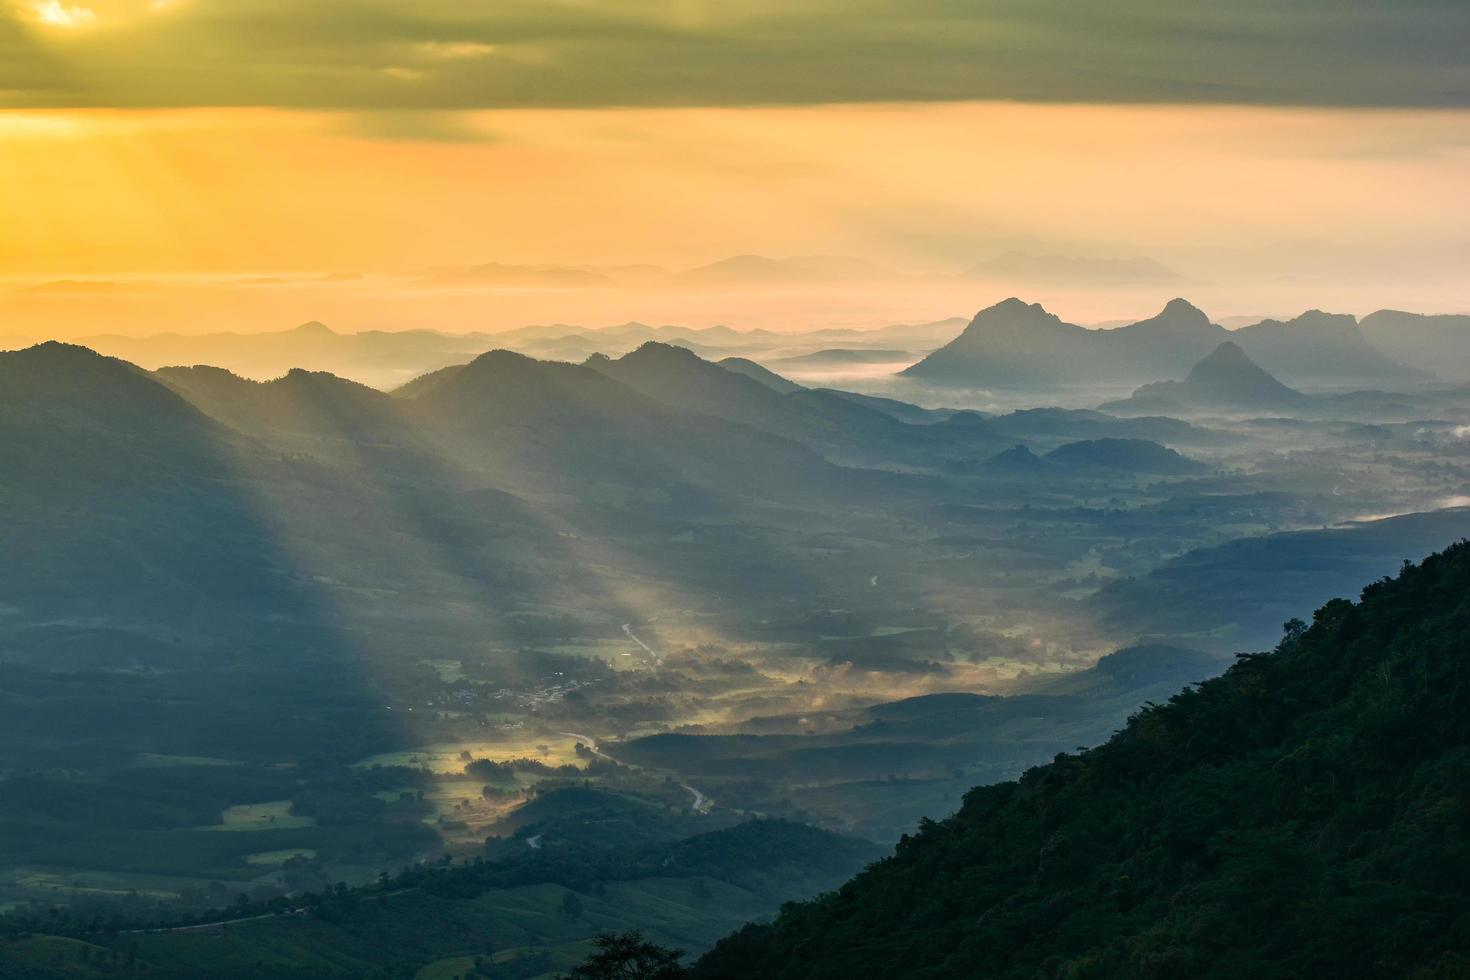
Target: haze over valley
x=731 y=491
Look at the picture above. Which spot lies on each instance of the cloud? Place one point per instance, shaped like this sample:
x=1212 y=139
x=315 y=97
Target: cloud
x=353 y=54
x=408 y=125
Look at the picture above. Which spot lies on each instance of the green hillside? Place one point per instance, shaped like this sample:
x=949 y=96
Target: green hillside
x=1307 y=814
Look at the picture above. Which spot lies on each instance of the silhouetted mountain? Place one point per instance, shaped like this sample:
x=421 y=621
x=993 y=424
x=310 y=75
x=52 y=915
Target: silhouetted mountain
x=1067 y=425
x=1071 y=269
x=311 y=404
x=495 y=273
x=1123 y=455
x=1439 y=345
x=837 y=427
x=76 y=388
x=1291 y=818
x=837 y=358
x=380 y=356
x=901 y=410
x=1009 y=344
x=1146 y=671
x=1320 y=348
x=1251 y=584
x=754 y=371
x=1167 y=343
x=570 y=422
x=1225 y=381
x=1018 y=460
x=759 y=268
x=1013 y=344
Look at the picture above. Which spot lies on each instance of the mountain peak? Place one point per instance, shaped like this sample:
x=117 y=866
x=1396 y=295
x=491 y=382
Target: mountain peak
x=1180 y=307
x=1011 y=312
x=313 y=328
x=658 y=351
x=1227 y=355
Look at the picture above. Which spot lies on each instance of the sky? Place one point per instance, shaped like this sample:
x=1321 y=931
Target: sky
x=248 y=164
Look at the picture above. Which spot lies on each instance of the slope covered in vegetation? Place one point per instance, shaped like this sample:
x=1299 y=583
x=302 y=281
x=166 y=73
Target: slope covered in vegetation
x=1307 y=814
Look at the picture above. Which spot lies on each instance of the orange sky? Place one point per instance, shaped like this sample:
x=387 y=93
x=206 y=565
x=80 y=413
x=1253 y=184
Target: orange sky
x=1260 y=210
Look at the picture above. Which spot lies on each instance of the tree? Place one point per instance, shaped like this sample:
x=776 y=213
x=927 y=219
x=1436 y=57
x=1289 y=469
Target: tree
x=628 y=956
x=571 y=906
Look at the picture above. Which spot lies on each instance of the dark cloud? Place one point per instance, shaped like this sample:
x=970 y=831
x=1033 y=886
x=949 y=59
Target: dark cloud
x=438 y=54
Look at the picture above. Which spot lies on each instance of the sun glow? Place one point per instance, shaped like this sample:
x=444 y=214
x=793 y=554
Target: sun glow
x=59 y=14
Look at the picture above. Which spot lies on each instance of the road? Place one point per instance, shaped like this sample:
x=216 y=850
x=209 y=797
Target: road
x=701 y=804
x=628 y=628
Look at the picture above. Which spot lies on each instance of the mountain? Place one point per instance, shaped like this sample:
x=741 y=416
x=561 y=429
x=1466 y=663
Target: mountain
x=1019 y=460
x=1010 y=344
x=495 y=273
x=802 y=268
x=1439 y=345
x=754 y=371
x=1304 y=814
x=839 y=428
x=900 y=410
x=310 y=405
x=1057 y=425
x=1168 y=342
x=570 y=423
x=1145 y=671
x=1325 y=349
x=1225 y=381
x=1013 y=344
x=383 y=357
x=1135 y=456
x=1237 y=593
x=1065 y=269
x=837 y=358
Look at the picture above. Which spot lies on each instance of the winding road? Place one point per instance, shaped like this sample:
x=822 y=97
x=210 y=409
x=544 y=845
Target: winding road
x=702 y=804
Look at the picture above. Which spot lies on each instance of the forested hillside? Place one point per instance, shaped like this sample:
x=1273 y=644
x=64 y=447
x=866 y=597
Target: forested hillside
x=1307 y=814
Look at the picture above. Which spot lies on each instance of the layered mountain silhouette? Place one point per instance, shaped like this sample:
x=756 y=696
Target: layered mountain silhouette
x=837 y=426
x=1016 y=344
x=1225 y=381
x=757 y=372
x=1325 y=349
x=1031 y=267
x=1114 y=456
x=1439 y=345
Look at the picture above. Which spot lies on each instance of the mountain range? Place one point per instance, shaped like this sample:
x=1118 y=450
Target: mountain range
x=1016 y=344
x=1226 y=380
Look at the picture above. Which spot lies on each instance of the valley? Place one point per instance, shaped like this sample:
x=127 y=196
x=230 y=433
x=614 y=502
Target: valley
x=263 y=640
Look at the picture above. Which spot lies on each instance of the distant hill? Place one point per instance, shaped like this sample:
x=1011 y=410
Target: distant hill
x=1225 y=381
x=1019 y=460
x=1066 y=425
x=1302 y=815
x=1137 y=456
x=1324 y=349
x=1010 y=344
x=1015 y=344
x=840 y=357
x=1237 y=593
x=1071 y=269
x=754 y=371
x=1439 y=345
x=839 y=427
x=495 y=273
x=1146 y=671
x=903 y=411
x=759 y=268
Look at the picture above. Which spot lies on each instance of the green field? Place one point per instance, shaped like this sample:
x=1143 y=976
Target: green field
x=275 y=815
